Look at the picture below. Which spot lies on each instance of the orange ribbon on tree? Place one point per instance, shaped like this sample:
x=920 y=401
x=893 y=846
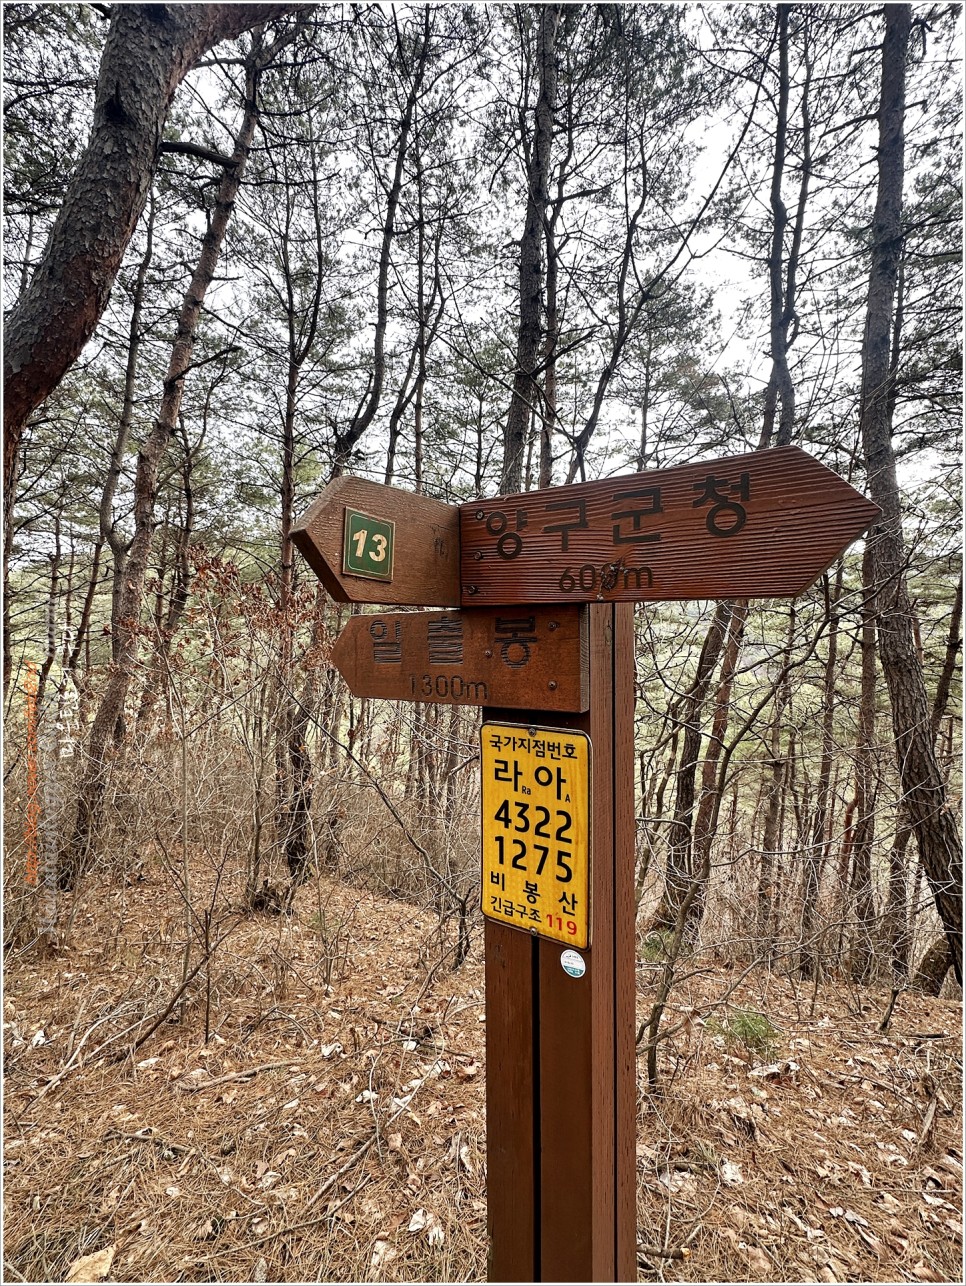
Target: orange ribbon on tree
x=32 y=824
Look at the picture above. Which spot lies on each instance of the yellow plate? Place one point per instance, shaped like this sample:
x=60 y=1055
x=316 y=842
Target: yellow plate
x=536 y=830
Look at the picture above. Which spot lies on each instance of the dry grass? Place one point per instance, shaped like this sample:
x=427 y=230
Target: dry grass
x=335 y=1131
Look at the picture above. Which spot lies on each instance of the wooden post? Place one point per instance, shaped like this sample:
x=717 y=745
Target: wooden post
x=560 y=1067
x=560 y=1077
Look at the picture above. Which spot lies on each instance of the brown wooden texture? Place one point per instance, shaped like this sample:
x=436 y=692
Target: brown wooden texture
x=512 y=1146
x=426 y=558
x=625 y=948
x=516 y=658
x=583 y=1065
x=765 y=524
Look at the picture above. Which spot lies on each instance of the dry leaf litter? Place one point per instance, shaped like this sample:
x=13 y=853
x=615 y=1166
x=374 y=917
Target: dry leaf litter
x=335 y=1130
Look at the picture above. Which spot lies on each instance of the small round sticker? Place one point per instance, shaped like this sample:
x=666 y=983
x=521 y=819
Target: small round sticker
x=573 y=963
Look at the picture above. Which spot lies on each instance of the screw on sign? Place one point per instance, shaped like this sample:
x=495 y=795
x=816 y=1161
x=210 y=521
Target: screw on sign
x=764 y=524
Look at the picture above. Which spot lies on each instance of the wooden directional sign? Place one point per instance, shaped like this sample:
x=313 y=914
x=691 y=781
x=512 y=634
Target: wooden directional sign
x=765 y=524
x=536 y=830
x=373 y=544
x=522 y=659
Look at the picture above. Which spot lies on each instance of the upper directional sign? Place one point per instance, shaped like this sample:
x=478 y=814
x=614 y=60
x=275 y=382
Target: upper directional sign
x=762 y=525
x=373 y=544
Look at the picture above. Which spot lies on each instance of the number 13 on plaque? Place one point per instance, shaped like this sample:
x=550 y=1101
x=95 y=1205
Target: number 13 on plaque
x=367 y=548
x=536 y=830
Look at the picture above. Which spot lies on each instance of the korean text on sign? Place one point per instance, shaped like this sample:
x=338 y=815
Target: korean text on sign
x=536 y=832
x=636 y=516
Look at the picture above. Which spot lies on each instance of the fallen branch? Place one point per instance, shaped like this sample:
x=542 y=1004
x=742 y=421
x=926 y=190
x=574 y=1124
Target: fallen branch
x=69 y=1065
x=155 y=1024
x=326 y=1187
x=656 y=1252
x=235 y=1076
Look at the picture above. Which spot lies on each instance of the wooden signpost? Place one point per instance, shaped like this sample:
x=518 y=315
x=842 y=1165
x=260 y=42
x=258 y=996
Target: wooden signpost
x=561 y=1089
x=558 y=780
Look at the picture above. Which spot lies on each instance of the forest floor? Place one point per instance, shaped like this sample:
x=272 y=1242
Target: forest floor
x=332 y=1127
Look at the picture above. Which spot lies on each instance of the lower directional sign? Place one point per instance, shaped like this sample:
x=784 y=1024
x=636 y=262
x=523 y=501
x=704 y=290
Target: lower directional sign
x=524 y=658
x=536 y=830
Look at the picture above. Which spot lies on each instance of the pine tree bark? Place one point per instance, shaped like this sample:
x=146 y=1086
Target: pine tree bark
x=923 y=787
x=954 y=643
x=863 y=833
x=149 y=50
x=347 y=439
x=777 y=770
x=817 y=850
x=933 y=967
x=782 y=277
x=293 y=760
x=171 y=614
x=712 y=782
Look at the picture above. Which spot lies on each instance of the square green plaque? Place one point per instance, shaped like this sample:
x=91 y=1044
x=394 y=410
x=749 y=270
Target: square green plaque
x=368 y=547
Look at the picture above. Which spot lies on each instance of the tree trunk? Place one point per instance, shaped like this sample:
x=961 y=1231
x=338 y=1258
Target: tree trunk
x=864 y=827
x=780 y=387
x=548 y=402
x=346 y=440
x=953 y=644
x=677 y=878
x=526 y=391
x=90 y=798
x=712 y=787
x=108 y=530
x=169 y=619
x=9 y=500
x=933 y=967
x=897 y=929
x=149 y=50
x=817 y=849
x=923 y=787
x=52 y=595
x=778 y=766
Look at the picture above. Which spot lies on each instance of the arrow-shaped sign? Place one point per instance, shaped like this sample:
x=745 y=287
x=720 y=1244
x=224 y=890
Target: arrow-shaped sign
x=765 y=524
x=373 y=544
x=526 y=659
